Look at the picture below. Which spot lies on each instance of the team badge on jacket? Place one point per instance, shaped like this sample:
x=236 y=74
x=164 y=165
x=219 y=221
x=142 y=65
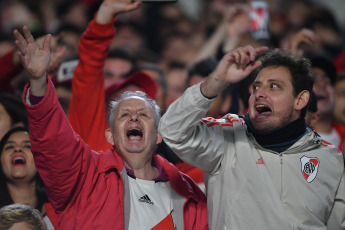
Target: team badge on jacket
x=309 y=166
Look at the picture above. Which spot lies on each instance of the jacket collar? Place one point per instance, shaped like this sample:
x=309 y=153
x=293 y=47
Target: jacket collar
x=110 y=159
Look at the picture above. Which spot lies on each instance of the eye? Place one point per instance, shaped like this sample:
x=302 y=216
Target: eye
x=9 y=147
x=27 y=146
x=255 y=87
x=124 y=115
x=143 y=114
x=273 y=85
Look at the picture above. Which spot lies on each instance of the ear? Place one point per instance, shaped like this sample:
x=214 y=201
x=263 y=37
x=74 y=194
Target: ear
x=109 y=136
x=225 y=104
x=159 y=138
x=302 y=100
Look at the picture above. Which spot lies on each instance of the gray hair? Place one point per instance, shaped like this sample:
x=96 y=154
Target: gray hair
x=129 y=94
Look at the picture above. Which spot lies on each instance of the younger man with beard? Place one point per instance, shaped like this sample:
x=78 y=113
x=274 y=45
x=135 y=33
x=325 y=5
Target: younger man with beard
x=266 y=170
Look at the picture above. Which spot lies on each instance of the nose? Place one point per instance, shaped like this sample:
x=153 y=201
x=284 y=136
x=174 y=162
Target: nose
x=260 y=93
x=18 y=148
x=134 y=116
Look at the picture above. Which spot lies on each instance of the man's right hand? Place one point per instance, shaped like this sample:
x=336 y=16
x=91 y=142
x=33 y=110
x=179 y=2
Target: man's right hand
x=34 y=59
x=111 y=8
x=234 y=66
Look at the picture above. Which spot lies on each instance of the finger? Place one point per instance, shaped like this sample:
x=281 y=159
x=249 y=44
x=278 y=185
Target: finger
x=133 y=6
x=20 y=41
x=47 y=43
x=260 y=50
x=253 y=66
x=236 y=56
x=252 y=53
x=28 y=36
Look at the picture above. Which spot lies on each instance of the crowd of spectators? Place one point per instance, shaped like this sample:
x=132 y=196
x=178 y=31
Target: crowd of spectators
x=174 y=46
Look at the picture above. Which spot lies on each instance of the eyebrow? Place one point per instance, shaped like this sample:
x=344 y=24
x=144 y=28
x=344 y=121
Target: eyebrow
x=12 y=142
x=271 y=81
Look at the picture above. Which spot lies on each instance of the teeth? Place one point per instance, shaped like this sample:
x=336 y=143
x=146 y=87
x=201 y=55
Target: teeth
x=18 y=159
x=261 y=106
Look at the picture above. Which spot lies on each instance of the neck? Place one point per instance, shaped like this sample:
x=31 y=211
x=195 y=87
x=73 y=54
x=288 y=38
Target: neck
x=23 y=193
x=142 y=168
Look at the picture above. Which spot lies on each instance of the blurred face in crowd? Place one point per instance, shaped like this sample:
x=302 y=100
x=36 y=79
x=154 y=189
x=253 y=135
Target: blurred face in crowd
x=176 y=79
x=324 y=92
x=16 y=158
x=339 y=108
x=114 y=70
x=135 y=132
x=273 y=104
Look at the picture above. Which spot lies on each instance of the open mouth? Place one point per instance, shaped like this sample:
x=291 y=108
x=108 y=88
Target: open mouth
x=261 y=109
x=18 y=160
x=134 y=134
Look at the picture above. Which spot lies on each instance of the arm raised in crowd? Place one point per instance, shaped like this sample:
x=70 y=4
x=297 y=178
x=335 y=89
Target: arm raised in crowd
x=182 y=128
x=88 y=81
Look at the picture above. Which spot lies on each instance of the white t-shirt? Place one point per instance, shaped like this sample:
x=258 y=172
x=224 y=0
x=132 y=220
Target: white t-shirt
x=151 y=205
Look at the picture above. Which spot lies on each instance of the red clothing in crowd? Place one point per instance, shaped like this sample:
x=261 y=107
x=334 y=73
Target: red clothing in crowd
x=87 y=187
x=87 y=108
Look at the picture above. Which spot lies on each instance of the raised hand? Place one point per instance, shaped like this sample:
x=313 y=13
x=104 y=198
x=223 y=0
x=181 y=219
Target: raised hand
x=35 y=59
x=233 y=67
x=301 y=41
x=110 y=8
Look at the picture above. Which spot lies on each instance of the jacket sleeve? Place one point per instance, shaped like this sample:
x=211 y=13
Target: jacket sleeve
x=337 y=217
x=62 y=159
x=191 y=138
x=87 y=108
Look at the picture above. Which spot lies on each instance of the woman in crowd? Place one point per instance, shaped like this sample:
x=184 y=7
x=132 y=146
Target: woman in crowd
x=19 y=180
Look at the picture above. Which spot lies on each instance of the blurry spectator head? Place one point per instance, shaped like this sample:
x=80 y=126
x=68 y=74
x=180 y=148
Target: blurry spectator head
x=69 y=40
x=17 y=169
x=129 y=36
x=21 y=216
x=75 y=12
x=326 y=28
x=325 y=76
x=339 y=108
x=312 y=115
x=155 y=72
x=117 y=65
x=175 y=77
x=15 y=14
x=12 y=113
x=138 y=81
x=297 y=11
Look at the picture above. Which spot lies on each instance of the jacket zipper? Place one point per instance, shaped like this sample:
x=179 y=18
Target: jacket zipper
x=281 y=175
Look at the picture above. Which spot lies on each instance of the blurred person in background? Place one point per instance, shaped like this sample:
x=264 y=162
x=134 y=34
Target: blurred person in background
x=175 y=75
x=325 y=78
x=12 y=113
x=19 y=179
x=155 y=72
x=21 y=216
x=339 y=91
